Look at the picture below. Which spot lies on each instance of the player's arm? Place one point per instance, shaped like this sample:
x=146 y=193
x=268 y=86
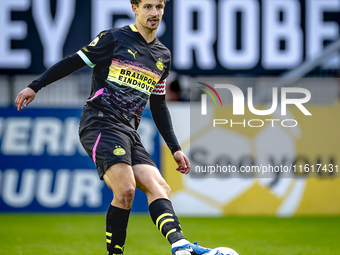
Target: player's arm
x=58 y=71
x=99 y=50
x=162 y=118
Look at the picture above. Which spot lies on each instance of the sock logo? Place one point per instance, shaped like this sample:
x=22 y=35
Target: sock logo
x=120 y=248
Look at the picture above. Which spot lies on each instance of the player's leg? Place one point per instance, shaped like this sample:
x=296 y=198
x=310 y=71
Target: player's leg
x=150 y=181
x=110 y=150
x=120 y=179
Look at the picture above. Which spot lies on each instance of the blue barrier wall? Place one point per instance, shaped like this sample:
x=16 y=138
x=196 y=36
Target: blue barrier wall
x=43 y=167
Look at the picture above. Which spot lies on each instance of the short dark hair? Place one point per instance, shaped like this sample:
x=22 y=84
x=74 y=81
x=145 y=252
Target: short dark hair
x=136 y=2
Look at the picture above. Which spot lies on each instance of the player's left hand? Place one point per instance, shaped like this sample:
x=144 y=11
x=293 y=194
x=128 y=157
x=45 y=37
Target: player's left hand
x=182 y=162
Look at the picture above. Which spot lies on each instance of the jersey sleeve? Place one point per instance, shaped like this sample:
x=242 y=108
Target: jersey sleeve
x=100 y=49
x=162 y=118
x=160 y=88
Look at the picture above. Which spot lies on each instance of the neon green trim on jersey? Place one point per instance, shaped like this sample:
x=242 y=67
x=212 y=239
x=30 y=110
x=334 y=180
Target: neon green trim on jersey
x=133 y=28
x=85 y=59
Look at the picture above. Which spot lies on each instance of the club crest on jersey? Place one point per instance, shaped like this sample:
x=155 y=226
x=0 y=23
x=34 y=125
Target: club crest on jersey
x=160 y=65
x=119 y=151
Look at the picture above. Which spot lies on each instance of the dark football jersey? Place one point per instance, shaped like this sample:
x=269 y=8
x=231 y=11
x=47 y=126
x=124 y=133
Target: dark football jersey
x=126 y=71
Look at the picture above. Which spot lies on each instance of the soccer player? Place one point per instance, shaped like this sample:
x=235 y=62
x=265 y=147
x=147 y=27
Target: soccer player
x=129 y=65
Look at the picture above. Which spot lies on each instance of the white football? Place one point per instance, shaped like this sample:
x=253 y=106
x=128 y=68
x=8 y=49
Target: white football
x=222 y=251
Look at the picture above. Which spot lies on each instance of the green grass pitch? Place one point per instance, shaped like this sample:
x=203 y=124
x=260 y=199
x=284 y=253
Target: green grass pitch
x=45 y=234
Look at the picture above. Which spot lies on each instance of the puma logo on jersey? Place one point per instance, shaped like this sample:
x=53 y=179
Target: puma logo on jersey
x=133 y=54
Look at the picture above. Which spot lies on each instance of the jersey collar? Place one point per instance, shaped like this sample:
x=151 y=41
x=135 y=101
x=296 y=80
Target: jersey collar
x=133 y=28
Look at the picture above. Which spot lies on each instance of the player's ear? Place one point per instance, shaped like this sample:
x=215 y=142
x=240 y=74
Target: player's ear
x=134 y=9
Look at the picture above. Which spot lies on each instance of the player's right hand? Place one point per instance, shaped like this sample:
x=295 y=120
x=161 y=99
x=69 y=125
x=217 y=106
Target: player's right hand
x=24 y=98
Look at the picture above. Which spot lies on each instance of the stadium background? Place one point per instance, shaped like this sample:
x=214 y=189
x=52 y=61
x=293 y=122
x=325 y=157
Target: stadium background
x=42 y=165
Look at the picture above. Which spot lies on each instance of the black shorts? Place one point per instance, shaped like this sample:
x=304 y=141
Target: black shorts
x=109 y=143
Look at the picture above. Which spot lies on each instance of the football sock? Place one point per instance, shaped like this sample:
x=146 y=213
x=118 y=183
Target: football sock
x=116 y=225
x=180 y=243
x=165 y=219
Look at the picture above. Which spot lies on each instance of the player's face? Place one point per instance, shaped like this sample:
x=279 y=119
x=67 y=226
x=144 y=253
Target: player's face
x=149 y=13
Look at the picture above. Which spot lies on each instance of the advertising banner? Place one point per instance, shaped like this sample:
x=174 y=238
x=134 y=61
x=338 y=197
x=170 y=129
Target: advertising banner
x=43 y=167
x=206 y=37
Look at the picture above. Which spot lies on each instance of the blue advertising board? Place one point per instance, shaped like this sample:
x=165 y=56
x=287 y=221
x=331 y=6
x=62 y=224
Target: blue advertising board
x=43 y=167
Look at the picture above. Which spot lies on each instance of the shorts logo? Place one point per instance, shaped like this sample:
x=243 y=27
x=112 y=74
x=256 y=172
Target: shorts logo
x=119 y=151
x=160 y=65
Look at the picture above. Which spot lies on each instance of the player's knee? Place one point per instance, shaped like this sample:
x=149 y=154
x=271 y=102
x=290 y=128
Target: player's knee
x=126 y=196
x=166 y=188
x=128 y=193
